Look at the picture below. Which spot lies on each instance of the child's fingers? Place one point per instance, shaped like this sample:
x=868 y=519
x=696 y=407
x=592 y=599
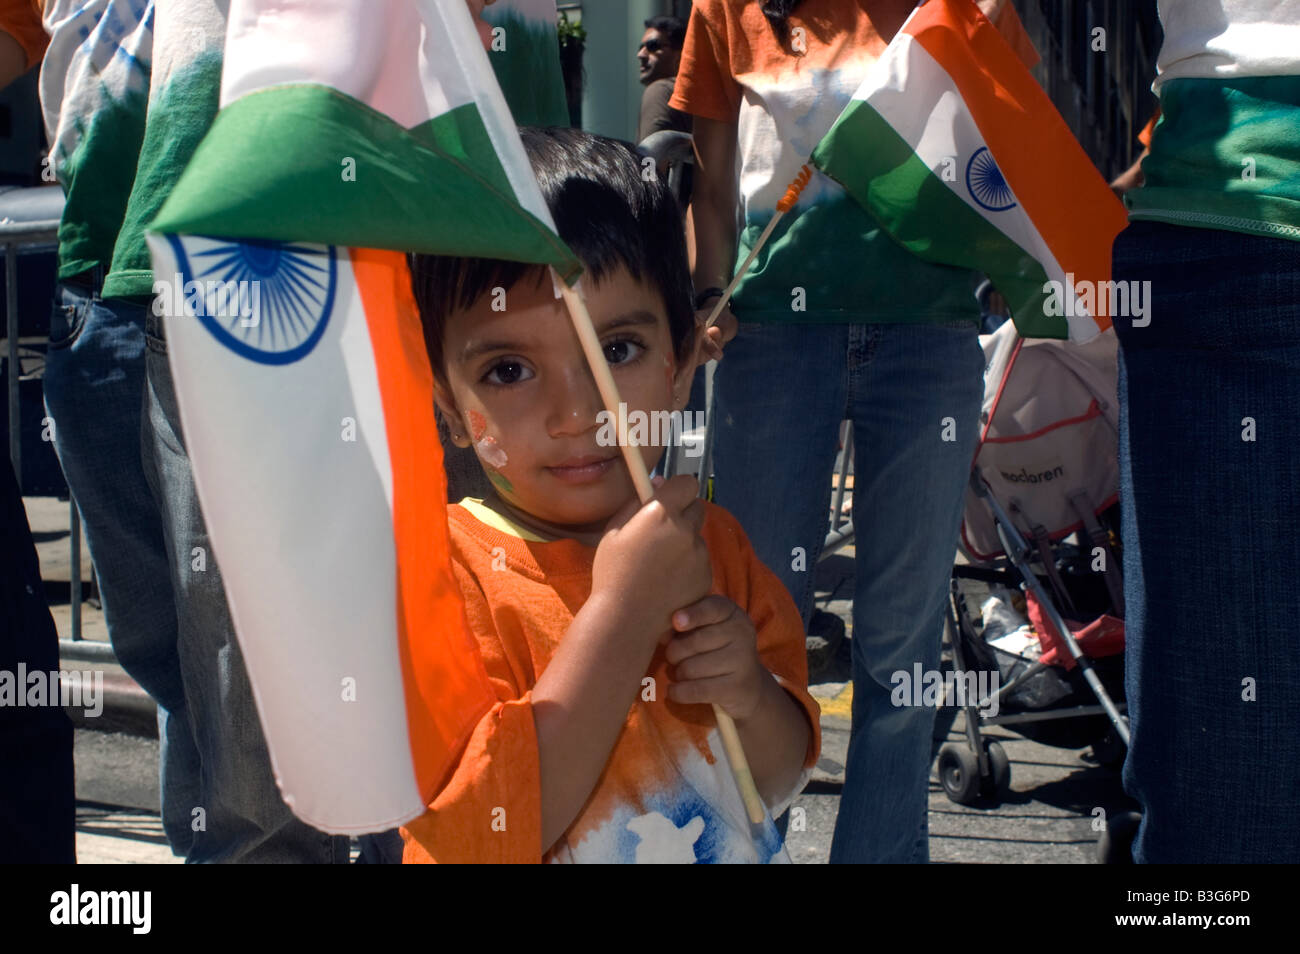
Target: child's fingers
x=724 y=661
x=703 y=640
x=679 y=494
x=706 y=612
x=626 y=513
x=716 y=689
x=675 y=495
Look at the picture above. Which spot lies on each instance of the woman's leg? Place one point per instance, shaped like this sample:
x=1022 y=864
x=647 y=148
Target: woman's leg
x=915 y=393
x=779 y=401
x=1210 y=466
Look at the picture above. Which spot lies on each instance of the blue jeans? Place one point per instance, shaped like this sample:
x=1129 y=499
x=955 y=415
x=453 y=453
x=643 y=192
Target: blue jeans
x=781 y=392
x=230 y=780
x=94 y=393
x=1209 y=468
x=94 y=388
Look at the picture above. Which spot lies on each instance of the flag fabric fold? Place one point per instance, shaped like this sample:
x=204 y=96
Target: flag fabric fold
x=350 y=132
x=959 y=154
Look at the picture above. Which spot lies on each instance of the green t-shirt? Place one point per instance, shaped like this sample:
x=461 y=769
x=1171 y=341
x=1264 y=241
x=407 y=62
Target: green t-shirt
x=831 y=262
x=1225 y=155
x=94 y=93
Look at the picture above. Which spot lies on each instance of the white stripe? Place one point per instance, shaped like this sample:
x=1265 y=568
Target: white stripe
x=474 y=68
x=306 y=553
x=917 y=97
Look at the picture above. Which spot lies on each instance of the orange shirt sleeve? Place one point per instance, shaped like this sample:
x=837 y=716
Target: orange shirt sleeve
x=705 y=84
x=490 y=810
x=21 y=19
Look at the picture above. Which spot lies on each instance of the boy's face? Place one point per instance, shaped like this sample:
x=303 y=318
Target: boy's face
x=522 y=395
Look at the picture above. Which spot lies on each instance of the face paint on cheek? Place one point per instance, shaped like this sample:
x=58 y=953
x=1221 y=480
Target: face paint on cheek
x=490 y=452
x=477 y=426
x=500 y=482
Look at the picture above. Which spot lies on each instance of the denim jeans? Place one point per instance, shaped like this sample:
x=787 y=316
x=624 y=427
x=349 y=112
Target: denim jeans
x=94 y=393
x=1209 y=469
x=244 y=817
x=780 y=394
x=94 y=388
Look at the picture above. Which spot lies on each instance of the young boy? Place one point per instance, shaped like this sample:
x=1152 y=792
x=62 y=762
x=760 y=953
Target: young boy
x=606 y=627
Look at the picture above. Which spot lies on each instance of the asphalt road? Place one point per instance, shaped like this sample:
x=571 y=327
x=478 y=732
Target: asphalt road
x=1046 y=818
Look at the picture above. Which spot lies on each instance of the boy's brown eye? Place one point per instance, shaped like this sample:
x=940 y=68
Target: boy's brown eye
x=620 y=352
x=507 y=372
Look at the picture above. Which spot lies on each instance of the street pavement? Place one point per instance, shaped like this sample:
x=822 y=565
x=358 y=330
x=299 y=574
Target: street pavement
x=1048 y=816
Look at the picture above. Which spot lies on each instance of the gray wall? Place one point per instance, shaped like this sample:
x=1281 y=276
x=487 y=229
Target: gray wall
x=611 y=98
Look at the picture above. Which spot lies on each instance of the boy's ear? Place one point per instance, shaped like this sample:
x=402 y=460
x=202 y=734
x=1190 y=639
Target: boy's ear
x=446 y=404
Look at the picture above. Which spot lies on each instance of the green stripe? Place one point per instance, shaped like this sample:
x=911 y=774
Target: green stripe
x=273 y=167
x=885 y=175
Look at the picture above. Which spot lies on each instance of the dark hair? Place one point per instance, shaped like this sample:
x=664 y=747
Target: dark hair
x=672 y=27
x=605 y=210
x=777 y=13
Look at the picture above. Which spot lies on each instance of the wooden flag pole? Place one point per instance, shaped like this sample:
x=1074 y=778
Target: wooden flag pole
x=581 y=319
x=786 y=203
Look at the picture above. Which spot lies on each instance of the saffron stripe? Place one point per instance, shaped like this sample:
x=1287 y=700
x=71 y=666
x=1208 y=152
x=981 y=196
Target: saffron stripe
x=440 y=659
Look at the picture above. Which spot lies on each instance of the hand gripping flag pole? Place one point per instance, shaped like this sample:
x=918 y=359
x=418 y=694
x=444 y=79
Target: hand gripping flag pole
x=582 y=324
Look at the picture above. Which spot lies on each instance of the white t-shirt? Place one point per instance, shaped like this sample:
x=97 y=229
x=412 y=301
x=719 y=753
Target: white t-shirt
x=1218 y=39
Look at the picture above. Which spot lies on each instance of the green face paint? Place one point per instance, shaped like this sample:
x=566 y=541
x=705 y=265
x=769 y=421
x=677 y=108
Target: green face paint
x=499 y=481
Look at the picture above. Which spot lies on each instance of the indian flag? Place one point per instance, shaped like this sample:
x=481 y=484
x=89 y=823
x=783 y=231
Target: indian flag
x=350 y=131
x=959 y=154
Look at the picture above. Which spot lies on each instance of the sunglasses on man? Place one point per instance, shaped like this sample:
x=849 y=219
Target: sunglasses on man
x=651 y=46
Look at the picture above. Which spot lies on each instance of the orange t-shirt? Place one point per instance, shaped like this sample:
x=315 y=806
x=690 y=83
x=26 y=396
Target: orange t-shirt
x=666 y=793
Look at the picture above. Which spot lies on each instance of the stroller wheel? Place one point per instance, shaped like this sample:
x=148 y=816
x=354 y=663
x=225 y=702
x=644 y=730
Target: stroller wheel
x=959 y=774
x=999 y=778
x=1110 y=750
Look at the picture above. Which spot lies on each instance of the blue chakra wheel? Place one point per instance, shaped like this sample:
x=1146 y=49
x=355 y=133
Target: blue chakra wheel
x=987 y=185
x=267 y=301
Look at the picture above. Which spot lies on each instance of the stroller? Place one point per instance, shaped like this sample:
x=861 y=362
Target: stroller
x=1040 y=519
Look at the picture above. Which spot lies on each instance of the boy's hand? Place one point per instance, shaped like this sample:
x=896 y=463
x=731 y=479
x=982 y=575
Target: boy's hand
x=715 y=658
x=652 y=559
